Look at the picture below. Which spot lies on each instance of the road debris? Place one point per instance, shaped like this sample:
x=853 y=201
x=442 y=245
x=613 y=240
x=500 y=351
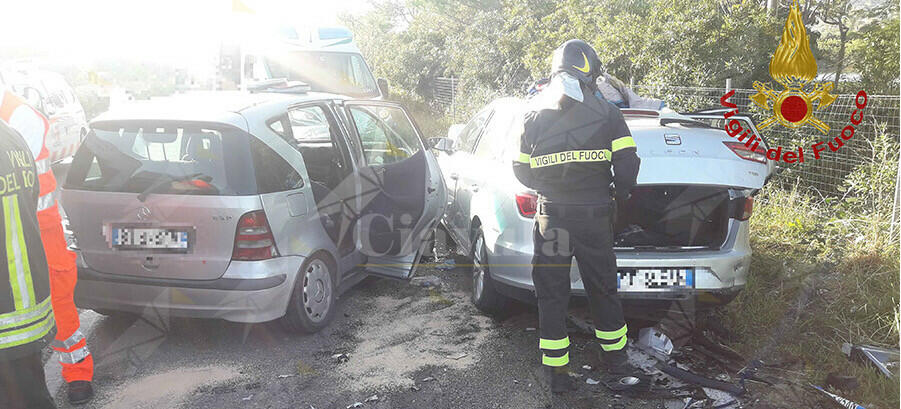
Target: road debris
x=340 y=358
x=689 y=377
x=530 y=329
x=838 y=399
x=429 y=281
x=882 y=358
x=591 y=381
x=586 y=367
x=457 y=356
x=287 y=376
x=247 y=398
x=842 y=382
x=427 y=379
x=448 y=264
x=656 y=340
x=373 y=398
x=355 y=405
x=414 y=388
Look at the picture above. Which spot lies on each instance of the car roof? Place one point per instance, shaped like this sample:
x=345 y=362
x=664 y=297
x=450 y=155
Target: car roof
x=229 y=107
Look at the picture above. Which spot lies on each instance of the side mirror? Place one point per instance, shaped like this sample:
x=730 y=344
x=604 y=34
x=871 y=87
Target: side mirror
x=442 y=144
x=383 y=86
x=454 y=131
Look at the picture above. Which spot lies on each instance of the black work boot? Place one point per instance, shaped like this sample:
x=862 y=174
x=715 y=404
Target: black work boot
x=560 y=380
x=80 y=392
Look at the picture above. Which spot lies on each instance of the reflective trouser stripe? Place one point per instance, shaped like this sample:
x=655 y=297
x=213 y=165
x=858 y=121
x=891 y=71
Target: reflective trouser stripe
x=70 y=342
x=75 y=356
x=611 y=335
x=27 y=334
x=26 y=316
x=17 y=255
x=622 y=143
x=553 y=343
x=555 y=360
x=615 y=347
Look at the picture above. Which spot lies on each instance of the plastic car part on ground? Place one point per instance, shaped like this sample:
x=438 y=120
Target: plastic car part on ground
x=882 y=358
x=656 y=340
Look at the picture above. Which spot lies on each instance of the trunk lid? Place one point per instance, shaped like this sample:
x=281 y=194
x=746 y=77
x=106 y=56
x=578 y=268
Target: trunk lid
x=155 y=198
x=211 y=222
x=686 y=154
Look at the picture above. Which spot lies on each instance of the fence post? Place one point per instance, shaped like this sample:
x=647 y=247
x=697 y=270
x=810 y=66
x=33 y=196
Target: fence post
x=453 y=100
x=896 y=206
x=728 y=84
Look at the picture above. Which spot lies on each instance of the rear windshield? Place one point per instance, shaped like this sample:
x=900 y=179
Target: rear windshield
x=170 y=158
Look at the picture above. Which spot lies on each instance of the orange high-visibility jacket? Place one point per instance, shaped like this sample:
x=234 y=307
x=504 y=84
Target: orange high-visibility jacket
x=70 y=342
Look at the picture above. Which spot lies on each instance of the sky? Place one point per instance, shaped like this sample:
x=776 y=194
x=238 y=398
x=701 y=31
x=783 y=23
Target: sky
x=185 y=32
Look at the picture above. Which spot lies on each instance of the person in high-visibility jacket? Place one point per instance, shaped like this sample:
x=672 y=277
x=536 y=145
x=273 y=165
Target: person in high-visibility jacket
x=70 y=343
x=25 y=318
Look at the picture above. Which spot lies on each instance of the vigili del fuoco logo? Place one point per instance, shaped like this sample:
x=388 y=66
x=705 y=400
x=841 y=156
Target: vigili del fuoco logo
x=793 y=67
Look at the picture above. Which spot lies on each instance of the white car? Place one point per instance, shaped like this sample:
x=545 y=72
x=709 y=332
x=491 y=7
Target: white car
x=683 y=233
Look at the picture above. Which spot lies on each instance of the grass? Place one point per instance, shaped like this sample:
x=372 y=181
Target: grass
x=850 y=266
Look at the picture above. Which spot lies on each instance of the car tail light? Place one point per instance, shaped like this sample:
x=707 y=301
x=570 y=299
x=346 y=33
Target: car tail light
x=254 y=240
x=743 y=208
x=746 y=153
x=527 y=203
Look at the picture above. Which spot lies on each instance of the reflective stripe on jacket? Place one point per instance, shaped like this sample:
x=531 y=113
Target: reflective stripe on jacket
x=25 y=310
x=571 y=152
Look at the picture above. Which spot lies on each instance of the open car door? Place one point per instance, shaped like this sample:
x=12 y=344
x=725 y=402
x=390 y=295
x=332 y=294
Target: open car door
x=400 y=192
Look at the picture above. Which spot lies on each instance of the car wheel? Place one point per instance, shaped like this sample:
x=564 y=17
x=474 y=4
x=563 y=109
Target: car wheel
x=312 y=303
x=484 y=294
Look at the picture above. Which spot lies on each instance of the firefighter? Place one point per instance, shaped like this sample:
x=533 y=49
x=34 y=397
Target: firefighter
x=25 y=306
x=573 y=147
x=70 y=343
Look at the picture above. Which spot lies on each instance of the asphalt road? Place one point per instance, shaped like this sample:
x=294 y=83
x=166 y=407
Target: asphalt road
x=403 y=343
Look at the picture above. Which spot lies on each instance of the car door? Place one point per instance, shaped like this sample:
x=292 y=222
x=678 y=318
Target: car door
x=456 y=218
x=401 y=193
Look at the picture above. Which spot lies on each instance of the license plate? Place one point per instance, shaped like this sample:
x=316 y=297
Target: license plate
x=654 y=279
x=144 y=238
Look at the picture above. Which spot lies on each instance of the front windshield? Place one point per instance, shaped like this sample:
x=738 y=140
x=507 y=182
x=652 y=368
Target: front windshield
x=339 y=73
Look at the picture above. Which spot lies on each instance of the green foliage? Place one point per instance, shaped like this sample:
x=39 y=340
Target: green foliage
x=876 y=54
x=851 y=259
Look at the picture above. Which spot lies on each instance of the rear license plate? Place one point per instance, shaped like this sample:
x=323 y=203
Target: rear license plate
x=654 y=279
x=147 y=238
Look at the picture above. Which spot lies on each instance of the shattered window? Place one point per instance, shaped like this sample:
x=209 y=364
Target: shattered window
x=386 y=133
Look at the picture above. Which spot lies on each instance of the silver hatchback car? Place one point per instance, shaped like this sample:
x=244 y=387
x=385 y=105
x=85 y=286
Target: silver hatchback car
x=683 y=233
x=248 y=207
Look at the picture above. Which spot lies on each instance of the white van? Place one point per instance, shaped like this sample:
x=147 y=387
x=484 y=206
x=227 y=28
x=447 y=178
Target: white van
x=326 y=58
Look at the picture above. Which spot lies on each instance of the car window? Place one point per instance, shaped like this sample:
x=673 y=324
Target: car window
x=195 y=159
x=494 y=142
x=309 y=124
x=273 y=173
x=386 y=133
x=468 y=136
x=336 y=72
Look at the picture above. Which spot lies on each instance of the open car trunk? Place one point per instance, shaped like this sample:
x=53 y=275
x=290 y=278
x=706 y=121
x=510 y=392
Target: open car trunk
x=675 y=217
